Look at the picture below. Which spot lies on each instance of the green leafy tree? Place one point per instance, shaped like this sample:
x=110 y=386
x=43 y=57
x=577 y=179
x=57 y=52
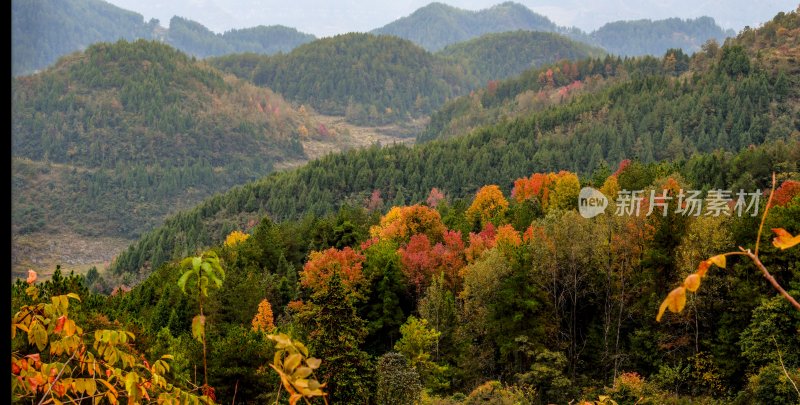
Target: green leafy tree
x=398 y=382
x=206 y=271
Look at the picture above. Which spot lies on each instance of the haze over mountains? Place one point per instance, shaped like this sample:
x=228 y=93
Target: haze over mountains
x=325 y=18
x=43 y=31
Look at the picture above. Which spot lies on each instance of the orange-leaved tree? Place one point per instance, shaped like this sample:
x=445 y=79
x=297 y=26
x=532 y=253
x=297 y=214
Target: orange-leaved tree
x=676 y=300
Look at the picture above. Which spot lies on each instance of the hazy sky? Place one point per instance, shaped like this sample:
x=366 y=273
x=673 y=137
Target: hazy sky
x=330 y=17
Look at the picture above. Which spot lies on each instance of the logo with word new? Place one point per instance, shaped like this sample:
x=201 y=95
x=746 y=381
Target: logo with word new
x=591 y=202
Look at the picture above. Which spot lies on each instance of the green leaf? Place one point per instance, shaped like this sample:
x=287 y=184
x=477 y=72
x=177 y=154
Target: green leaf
x=196 y=263
x=183 y=279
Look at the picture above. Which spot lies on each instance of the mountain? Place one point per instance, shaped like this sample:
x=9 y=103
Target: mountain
x=498 y=56
x=44 y=30
x=673 y=109
x=195 y=39
x=437 y=25
x=646 y=37
x=110 y=140
x=368 y=78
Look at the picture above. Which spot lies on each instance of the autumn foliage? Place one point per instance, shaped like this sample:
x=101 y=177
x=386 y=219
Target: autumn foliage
x=321 y=266
x=235 y=238
x=400 y=223
x=263 y=321
x=556 y=190
x=489 y=205
x=421 y=260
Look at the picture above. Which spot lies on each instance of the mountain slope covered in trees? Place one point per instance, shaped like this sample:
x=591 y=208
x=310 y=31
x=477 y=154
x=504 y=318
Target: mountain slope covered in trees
x=195 y=39
x=368 y=78
x=43 y=31
x=646 y=37
x=110 y=140
x=497 y=56
x=652 y=113
x=438 y=25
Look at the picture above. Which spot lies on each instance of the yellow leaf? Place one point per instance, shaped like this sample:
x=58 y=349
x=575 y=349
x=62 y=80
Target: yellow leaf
x=719 y=260
x=302 y=372
x=675 y=301
x=784 y=240
x=291 y=362
x=313 y=363
x=692 y=282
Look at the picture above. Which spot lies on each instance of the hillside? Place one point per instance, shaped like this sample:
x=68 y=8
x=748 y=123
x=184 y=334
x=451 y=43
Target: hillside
x=437 y=25
x=538 y=89
x=646 y=37
x=498 y=56
x=111 y=140
x=368 y=78
x=44 y=30
x=195 y=39
x=652 y=113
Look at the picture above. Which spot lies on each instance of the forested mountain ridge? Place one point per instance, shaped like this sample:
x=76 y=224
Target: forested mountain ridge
x=43 y=31
x=652 y=114
x=376 y=79
x=110 y=140
x=368 y=78
x=438 y=25
x=538 y=89
x=498 y=56
x=647 y=37
x=195 y=39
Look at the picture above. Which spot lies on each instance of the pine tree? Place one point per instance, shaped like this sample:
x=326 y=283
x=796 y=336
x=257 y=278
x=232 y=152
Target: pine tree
x=338 y=332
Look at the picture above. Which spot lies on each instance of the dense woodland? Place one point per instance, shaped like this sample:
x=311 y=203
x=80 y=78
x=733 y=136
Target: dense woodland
x=504 y=297
x=137 y=128
x=646 y=37
x=368 y=78
x=437 y=25
x=195 y=39
x=457 y=271
x=43 y=31
x=499 y=56
x=650 y=116
x=377 y=79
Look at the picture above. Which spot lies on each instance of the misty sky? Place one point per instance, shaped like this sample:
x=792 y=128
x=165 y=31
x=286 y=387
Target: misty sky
x=330 y=17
